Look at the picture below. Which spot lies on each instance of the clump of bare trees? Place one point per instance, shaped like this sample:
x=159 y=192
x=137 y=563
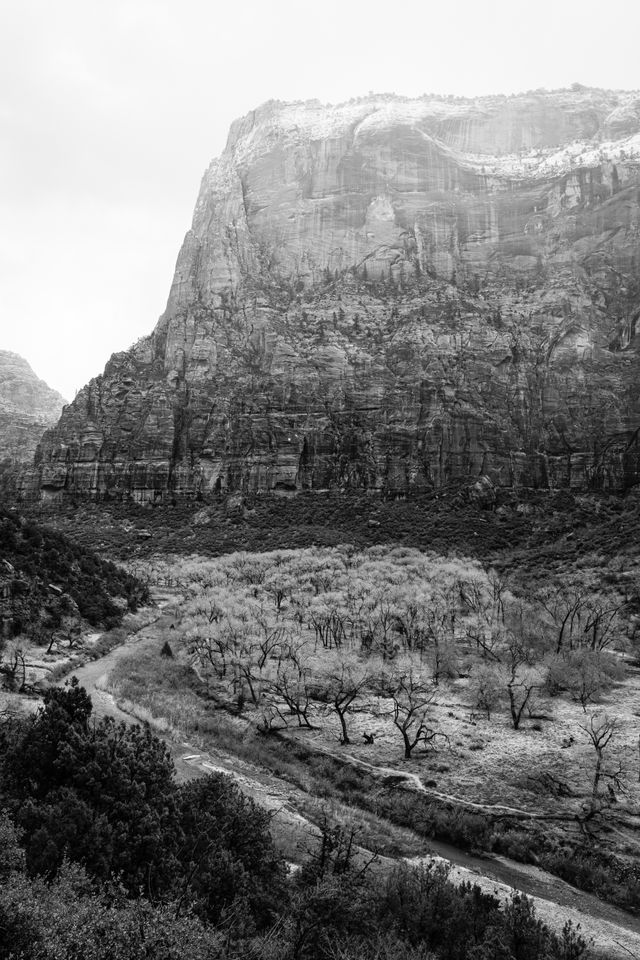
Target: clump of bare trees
x=332 y=636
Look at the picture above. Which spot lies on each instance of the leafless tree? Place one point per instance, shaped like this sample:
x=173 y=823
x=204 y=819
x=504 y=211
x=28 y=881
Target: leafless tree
x=564 y=605
x=485 y=689
x=342 y=686
x=412 y=698
x=329 y=624
x=270 y=642
x=211 y=652
x=294 y=686
x=586 y=678
x=600 y=730
x=601 y=621
x=279 y=586
x=485 y=598
x=521 y=684
x=410 y=617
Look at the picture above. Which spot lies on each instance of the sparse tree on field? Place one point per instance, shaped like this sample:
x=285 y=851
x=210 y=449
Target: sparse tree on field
x=600 y=730
x=347 y=681
x=586 y=678
x=293 y=685
x=521 y=681
x=412 y=698
x=253 y=644
x=486 y=689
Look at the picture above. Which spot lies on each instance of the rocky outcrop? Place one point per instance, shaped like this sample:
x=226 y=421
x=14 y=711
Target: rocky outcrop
x=391 y=294
x=27 y=407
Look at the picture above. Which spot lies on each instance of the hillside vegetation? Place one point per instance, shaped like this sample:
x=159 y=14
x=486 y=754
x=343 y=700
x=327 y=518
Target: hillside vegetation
x=528 y=526
x=52 y=585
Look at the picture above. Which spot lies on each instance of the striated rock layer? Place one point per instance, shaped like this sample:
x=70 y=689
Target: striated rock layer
x=27 y=407
x=392 y=294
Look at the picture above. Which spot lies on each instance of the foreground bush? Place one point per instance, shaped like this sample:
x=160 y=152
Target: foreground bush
x=103 y=855
x=103 y=795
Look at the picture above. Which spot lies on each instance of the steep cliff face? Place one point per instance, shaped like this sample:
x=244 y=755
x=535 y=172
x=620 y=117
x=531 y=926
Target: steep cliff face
x=389 y=293
x=27 y=407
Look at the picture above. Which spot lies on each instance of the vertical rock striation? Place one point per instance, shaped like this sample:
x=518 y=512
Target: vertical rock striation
x=27 y=407
x=388 y=293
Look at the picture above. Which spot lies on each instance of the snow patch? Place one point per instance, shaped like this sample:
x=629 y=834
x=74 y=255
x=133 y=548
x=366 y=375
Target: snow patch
x=542 y=164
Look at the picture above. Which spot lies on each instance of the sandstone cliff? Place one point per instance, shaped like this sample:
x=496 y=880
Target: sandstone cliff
x=27 y=407
x=388 y=293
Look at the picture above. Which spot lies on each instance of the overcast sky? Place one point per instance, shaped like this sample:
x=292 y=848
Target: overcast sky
x=110 y=111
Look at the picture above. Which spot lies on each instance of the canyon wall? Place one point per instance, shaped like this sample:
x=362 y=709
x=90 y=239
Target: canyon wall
x=391 y=294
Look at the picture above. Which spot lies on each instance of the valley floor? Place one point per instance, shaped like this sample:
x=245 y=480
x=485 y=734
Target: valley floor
x=614 y=933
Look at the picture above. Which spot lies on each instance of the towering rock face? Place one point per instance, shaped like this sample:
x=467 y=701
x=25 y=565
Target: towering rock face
x=389 y=293
x=27 y=407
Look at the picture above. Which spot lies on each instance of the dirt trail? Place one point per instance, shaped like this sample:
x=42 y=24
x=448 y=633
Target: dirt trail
x=407 y=776
x=615 y=934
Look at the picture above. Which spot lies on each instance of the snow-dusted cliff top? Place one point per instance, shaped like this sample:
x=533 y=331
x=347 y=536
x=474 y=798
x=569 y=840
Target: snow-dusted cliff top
x=533 y=135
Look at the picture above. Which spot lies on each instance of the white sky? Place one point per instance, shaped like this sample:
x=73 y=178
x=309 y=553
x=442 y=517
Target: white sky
x=110 y=111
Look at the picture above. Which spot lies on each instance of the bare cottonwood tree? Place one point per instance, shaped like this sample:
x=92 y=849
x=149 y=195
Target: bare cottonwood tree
x=347 y=681
x=521 y=682
x=412 y=696
x=565 y=606
x=293 y=685
x=601 y=621
x=601 y=730
x=485 y=689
